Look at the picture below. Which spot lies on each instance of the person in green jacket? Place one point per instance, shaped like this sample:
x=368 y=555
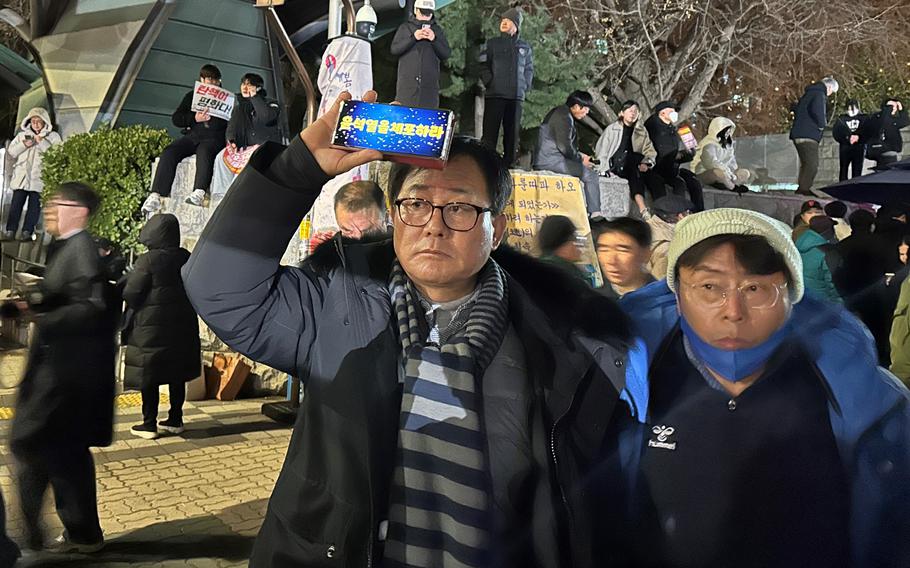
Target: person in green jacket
x=813 y=248
x=900 y=335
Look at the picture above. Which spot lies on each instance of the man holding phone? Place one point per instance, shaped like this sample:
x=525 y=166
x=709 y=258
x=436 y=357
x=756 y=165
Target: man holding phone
x=507 y=73
x=420 y=43
x=399 y=457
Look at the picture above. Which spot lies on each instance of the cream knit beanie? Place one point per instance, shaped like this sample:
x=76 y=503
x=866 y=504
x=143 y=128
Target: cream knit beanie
x=700 y=226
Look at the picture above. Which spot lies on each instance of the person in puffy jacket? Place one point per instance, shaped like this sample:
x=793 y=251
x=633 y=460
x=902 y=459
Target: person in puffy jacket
x=715 y=160
x=744 y=394
x=420 y=44
x=809 y=120
x=507 y=73
x=27 y=149
x=162 y=335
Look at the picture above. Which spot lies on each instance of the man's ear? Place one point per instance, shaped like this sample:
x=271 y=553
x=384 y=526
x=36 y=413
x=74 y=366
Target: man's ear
x=499 y=230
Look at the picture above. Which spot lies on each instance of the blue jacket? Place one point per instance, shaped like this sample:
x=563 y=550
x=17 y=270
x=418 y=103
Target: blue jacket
x=869 y=410
x=816 y=272
x=811 y=114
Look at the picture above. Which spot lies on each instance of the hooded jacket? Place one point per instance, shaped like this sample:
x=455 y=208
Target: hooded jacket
x=26 y=172
x=162 y=339
x=847 y=126
x=868 y=408
x=711 y=154
x=418 y=63
x=330 y=323
x=816 y=273
x=507 y=67
x=811 y=113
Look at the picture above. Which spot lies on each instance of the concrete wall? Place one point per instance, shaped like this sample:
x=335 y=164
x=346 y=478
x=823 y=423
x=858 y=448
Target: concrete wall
x=776 y=154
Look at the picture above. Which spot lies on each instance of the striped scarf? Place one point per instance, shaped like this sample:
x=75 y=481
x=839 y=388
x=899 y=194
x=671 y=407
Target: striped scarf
x=440 y=504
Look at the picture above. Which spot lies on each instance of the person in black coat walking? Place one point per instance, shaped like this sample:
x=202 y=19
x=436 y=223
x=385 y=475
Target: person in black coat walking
x=809 y=121
x=66 y=398
x=204 y=136
x=420 y=44
x=507 y=73
x=849 y=131
x=883 y=131
x=162 y=340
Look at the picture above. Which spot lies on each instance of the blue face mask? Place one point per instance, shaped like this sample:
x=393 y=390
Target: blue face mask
x=738 y=364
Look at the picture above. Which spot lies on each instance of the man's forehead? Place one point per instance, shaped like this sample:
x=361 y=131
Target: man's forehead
x=461 y=176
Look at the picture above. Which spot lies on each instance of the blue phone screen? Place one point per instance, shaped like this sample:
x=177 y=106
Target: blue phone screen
x=393 y=129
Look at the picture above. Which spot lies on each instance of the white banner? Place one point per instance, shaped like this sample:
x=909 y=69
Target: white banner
x=217 y=101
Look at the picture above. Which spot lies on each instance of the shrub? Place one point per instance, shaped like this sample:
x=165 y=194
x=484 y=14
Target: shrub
x=117 y=163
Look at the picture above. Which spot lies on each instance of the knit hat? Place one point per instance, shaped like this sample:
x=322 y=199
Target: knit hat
x=728 y=221
x=515 y=15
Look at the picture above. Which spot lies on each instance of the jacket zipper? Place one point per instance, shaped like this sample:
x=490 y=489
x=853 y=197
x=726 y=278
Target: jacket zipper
x=562 y=492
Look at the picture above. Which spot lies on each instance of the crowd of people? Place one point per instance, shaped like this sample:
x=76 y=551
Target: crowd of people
x=721 y=400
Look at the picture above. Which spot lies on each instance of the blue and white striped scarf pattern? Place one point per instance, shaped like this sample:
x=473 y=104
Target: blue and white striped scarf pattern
x=440 y=504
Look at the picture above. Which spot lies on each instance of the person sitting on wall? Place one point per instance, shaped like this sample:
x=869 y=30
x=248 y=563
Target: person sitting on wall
x=715 y=160
x=203 y=136
x=557 y=147
x=254 y=122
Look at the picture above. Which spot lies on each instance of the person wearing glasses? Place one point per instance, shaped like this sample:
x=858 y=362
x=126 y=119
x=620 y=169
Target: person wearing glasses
x=762 y=431
x=65 y=402
x=458 y=393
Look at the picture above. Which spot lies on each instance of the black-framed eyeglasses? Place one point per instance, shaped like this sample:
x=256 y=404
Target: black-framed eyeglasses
x=457 y=216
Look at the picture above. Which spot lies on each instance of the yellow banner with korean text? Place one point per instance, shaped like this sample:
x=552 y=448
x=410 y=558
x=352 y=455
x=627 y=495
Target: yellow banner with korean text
x=537 y=195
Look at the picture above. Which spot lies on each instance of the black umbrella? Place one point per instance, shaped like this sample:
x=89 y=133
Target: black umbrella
x=889 y=186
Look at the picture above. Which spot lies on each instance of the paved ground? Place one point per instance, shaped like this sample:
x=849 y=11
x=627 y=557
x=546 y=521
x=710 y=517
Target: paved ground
x=192 y=500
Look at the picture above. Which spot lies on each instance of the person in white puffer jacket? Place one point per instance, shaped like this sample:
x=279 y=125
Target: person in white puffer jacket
x=715 y=160
x=27 y=148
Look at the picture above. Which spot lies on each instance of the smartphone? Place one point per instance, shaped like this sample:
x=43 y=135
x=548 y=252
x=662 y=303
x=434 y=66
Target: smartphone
x=425 y=27
x=411 y=135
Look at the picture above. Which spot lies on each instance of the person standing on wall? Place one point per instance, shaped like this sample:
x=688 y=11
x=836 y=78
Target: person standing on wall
x=162 y=336
x=420 y=44
x=809 y=121
x=27 y=149
x=507 y=72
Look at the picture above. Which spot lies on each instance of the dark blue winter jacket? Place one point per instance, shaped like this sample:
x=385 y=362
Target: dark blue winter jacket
x=811 y=113
x=869 y=411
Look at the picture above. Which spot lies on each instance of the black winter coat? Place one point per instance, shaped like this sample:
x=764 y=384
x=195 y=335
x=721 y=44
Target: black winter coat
x=184 y=118
x=254 y=120
x=886 y=127
x=671 y=150
x=163 y=335
x=811 y=113
x=507 y=67
x=418 y=63
x=66 y=398
x=331 y=323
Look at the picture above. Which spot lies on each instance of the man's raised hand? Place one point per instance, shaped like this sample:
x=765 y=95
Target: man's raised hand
x=318 y=138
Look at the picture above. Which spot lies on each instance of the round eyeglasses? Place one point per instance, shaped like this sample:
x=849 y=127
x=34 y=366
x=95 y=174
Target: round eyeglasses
x=457 y=216
x=756 y=295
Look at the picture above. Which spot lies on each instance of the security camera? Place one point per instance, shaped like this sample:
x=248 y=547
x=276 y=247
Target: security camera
x=365 y=21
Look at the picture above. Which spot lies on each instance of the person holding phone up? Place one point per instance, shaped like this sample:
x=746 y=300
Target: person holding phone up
x=28 y=148
x=420 y=44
